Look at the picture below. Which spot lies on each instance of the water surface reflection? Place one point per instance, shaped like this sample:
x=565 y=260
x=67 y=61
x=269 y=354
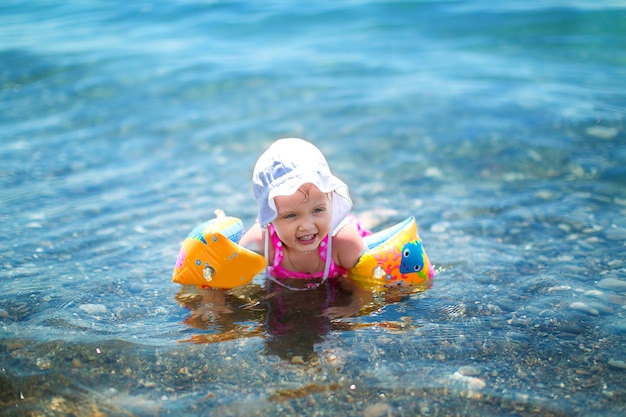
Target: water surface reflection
x=291 y=323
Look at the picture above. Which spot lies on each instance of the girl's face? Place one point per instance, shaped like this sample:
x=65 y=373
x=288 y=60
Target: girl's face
x=303 y=219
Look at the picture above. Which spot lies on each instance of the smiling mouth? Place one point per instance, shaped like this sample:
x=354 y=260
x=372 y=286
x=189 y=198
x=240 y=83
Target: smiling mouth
x=307 y=238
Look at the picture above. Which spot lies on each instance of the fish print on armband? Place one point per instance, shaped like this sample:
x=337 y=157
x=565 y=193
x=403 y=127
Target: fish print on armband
x=412 y=257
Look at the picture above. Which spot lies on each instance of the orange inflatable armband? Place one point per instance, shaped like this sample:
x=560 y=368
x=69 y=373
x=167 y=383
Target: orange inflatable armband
x=395 y=257
x=211 y=257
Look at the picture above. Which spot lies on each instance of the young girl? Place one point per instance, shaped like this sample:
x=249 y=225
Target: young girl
x=304 y=227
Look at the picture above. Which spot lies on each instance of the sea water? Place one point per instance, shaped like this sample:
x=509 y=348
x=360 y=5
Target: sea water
x=499 y=125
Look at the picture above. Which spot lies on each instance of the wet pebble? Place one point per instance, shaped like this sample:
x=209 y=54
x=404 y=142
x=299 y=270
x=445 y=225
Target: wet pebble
x=612 y=284
x=602 y=308
x=378 y=410
x=469 y=371
x=4 y=313
x=472 y=383
x=297 y=360
x=607 y=297
x=595 y=293
x=618 y=233
x=93 y=308
x=43 y=363
x=570 y=329
x=602 y=132
x=616 y=299
x=560 y=288
x=518 y=339
x=616 y=363
x=580 y=306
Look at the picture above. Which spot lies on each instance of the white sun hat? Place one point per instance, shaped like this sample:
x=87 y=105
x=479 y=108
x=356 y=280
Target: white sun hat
x=288 y=164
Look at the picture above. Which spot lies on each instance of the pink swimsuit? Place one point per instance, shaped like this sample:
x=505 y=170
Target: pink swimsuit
x=278 y=271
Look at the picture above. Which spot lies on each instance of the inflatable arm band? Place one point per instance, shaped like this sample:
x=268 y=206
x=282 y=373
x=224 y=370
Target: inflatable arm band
x=395 y=257
x=210 y=256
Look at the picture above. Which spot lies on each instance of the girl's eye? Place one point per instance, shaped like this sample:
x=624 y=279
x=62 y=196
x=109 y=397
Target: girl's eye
x=319 y=210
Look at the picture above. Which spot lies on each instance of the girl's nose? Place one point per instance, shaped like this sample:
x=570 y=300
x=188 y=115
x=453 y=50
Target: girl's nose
x=305 y=224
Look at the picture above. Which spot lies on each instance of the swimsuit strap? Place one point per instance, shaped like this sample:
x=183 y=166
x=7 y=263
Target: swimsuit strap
x=266 y=251
x=329 y=246
x=329 y=256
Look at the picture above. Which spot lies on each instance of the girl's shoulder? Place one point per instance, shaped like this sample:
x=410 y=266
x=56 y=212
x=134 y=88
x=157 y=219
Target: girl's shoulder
x=348 y=246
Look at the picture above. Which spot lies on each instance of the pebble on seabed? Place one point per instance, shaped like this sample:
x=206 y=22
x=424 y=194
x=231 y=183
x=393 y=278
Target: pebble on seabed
x=468 y=370
x=580 y=306
x=93 y=308
x=602 y=132
x=612 y=284
x=471 y=384
x=615 y=363
x=378 y=410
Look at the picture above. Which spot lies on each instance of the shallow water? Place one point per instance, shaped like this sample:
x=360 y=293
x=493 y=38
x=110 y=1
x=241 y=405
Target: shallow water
x=500 y=127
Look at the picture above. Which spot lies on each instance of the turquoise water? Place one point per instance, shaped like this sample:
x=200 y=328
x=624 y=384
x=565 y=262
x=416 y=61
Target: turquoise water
x=499 y=126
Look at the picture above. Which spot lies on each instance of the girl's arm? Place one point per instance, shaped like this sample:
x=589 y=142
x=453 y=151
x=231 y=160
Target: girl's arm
x=253 y=239
x=348 y=246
